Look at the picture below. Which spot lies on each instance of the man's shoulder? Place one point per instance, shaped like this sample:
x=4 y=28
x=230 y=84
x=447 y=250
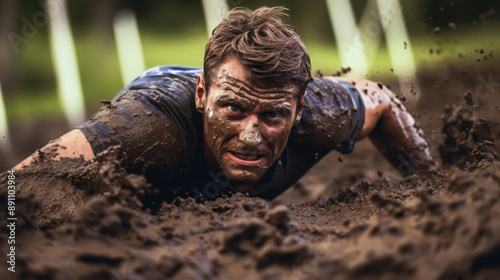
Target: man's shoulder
x=154 y=120
x=328 y=87
x=166 y=77
x=332 y=116
x=163 y=86
x=164 y=70
x=328 y=96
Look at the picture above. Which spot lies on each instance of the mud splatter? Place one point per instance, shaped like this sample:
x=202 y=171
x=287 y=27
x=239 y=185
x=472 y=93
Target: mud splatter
x=80 y=220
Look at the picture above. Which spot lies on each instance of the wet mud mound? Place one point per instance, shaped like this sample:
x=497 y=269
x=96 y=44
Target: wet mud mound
x=467 y=138
x=79 y=220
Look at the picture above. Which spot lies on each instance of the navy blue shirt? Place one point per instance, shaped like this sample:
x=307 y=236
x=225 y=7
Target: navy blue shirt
x=155 y=121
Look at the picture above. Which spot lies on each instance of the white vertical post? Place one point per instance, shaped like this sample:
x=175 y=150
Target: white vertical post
x=399 y=47
x=214 y=12
x=128 y=43
x=66 y=67
x=351 y=48
x=5 y=143
x=370 y=28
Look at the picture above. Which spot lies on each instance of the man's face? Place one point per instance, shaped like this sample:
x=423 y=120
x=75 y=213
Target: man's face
x=246 y=124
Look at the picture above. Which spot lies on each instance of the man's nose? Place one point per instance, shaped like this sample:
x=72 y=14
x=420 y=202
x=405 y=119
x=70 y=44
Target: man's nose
x=251 y=134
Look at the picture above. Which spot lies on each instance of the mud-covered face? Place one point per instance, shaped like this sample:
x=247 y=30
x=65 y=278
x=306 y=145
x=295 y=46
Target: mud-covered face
x=245 y=125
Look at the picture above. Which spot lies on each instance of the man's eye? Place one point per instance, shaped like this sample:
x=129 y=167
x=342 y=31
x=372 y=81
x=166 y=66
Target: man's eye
x=233 y=108
x=272 y=114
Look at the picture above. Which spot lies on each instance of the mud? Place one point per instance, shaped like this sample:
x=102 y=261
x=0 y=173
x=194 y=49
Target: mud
x=80 y=220
x=351 y=217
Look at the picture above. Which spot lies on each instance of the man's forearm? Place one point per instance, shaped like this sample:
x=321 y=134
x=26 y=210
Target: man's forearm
x=392 y=129
x=402 y=141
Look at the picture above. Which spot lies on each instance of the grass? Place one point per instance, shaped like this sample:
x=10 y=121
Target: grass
x=37 y=98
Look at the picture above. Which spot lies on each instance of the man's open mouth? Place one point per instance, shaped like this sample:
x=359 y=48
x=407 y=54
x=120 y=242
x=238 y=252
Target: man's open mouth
x=247 y=159
x=247 y=156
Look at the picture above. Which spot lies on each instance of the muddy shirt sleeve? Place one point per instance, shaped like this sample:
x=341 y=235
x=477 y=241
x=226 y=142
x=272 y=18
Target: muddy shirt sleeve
x=332 y=117
x=137 y=121
x=154 y=120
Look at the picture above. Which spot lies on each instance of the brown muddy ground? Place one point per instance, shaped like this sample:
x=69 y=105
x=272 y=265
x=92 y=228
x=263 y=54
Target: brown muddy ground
x=351 y=217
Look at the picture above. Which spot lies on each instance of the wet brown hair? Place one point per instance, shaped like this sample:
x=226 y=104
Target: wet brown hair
x=271 y=49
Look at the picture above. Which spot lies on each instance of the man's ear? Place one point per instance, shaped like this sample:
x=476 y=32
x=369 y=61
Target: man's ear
x=200 y=95
x=300 y=105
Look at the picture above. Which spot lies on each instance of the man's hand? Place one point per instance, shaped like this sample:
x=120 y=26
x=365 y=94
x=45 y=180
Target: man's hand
x=392 y=129
x=71 y=145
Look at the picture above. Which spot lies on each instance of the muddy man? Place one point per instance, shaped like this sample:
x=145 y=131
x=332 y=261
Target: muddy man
x=252 y=120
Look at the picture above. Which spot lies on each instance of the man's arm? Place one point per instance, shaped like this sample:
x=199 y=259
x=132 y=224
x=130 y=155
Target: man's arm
x=152 y=141
x=392 y=129
x=71 y=145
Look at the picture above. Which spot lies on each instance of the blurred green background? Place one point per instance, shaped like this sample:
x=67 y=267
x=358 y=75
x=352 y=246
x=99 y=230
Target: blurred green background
x=173 y=33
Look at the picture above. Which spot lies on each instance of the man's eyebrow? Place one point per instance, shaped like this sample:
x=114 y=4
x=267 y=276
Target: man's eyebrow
x=248 y=89
x=225 y=98
x=232 y=99
x=284 y=108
